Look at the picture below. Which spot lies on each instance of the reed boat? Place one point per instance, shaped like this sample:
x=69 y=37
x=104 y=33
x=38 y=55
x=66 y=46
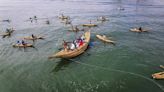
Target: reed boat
x=35 y=38
x=22 y=46
x=104 y=38
x=137 y=30
x=89 y=25
x=7 y=33
x=73 y=53
x=159 y=75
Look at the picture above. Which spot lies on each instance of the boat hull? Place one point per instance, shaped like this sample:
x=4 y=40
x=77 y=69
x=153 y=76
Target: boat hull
x=89 y=25
x=22 y=46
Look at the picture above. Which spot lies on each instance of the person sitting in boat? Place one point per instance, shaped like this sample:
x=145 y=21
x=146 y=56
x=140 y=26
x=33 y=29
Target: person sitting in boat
x=72 y=46
x=47 y=22
x=75 y=43
x=83 y=37
x=81 y=43
x=35 y=18
x=23 y=43
x=76 y=29
x=102 y=18
x=18 y=42
x=140 y=29
x=31 y=20
x=65 y=45
x=7 y=30
x=32 y=36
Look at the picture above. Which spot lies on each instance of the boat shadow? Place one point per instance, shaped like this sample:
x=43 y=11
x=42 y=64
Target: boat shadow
x=61 y=65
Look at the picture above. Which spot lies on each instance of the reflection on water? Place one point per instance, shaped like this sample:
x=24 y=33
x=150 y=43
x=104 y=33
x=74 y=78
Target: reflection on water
x=61 y=65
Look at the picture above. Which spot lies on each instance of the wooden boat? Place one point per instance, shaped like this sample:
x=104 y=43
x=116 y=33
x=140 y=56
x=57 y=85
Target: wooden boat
x=159 y=75
x=35 y=38
x=7 y=33
x=75 y=52
x=104 y=38
x=22 y=46
x=89 y=25
x=137 y=30
x=161 y=66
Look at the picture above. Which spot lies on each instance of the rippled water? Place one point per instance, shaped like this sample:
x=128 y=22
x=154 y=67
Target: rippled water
x=125 y=67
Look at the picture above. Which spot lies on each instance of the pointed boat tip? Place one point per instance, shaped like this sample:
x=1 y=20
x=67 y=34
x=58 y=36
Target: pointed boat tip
x=51 y=57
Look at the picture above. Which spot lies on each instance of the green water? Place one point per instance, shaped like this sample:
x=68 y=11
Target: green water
x=124 y=67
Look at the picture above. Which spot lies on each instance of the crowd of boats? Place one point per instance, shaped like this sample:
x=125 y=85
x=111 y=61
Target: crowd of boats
x=76 y=47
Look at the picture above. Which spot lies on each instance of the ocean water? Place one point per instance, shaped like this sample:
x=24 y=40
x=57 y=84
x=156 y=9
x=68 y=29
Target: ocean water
x=124 y=67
